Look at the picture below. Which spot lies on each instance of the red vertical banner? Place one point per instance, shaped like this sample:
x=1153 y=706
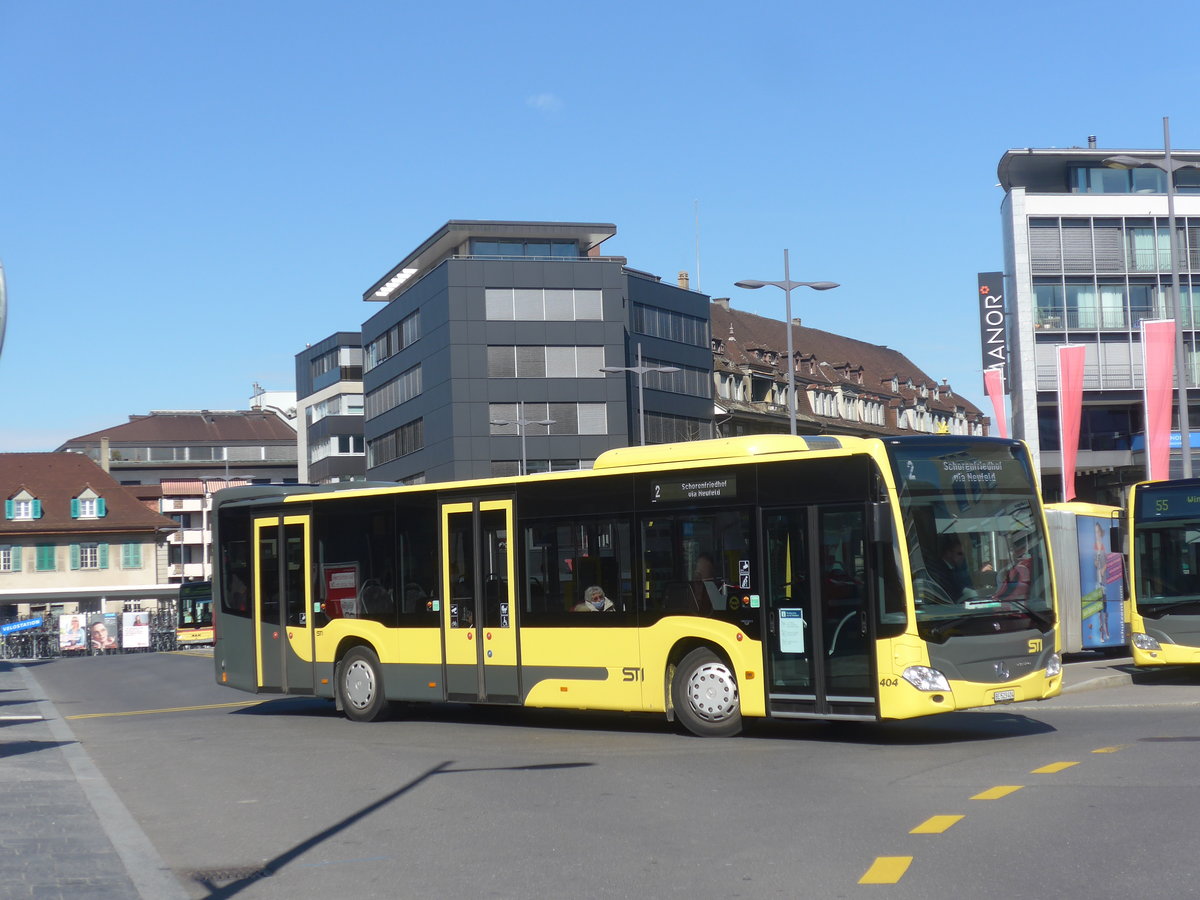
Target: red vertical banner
x=993 y=383
x=1070 y=410
x=1158 y=368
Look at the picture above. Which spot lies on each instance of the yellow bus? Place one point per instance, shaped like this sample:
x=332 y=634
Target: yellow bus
x=771 y=576
x=1163 y=521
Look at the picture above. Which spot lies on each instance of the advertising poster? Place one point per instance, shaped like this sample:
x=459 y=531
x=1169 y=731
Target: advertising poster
x=72 y=633
x=102 y=632
x=341 y=590
x=135 y=630
x=1101 y=585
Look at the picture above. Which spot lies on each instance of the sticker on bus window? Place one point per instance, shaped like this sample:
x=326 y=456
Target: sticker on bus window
x=791 y=630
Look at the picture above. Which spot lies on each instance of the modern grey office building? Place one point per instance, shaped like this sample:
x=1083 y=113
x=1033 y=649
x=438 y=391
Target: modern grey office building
x=487 y=356
x=329 y=410
x=1087 y=258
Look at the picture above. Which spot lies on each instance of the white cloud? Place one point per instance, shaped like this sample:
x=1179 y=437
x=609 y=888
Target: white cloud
x=547 y=103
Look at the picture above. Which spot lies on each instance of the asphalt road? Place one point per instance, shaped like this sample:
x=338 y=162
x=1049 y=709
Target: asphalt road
x=1092 y=793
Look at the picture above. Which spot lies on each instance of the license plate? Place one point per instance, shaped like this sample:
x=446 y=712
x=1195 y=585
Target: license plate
x=1004 y=696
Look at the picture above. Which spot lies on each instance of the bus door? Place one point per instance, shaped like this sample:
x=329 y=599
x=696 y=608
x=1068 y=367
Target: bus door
x=282 y=604
x=819 y=635
x=478 y=621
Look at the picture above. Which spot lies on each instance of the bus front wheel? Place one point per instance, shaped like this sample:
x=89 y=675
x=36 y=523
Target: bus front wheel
x=704 y=693
x=360 y=686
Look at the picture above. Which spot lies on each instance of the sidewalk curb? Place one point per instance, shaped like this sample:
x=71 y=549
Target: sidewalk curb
x=151 y=876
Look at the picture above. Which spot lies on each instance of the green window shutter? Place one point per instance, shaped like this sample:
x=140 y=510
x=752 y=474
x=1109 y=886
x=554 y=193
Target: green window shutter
x=101 y=508
x=8 y=509
x=37 y=509
x=131 y=556
x=74 y=556
x=102 y=555
x=45 y=558
x=16 y=559
x=74 y=507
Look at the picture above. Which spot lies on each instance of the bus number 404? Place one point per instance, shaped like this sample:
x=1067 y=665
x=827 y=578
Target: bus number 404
x=630 y=673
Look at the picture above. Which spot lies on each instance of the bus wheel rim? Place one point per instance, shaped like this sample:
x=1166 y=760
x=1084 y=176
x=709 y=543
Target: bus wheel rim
x=360 y=684
x=712 y=692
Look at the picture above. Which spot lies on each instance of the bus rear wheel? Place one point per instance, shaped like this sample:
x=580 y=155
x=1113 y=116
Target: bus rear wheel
x=360 y=686
x=704 y=693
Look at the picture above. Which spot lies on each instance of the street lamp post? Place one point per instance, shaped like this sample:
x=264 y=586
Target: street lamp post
x=640 y=370
x=521 y=422
x=786 y=285
x=1170 y=167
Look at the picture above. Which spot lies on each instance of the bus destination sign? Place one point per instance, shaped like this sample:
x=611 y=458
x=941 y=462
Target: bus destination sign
x=1170 y=503
x=694 y=487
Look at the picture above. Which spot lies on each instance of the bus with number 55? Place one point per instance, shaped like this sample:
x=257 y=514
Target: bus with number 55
x=709 y=582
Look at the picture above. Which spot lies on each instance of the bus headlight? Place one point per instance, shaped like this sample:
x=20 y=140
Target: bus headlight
x=1145 y=642
x=924 y=678
x=1053 y=665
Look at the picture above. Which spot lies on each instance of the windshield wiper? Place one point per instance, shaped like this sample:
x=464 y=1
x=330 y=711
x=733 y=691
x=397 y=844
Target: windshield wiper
x=1152 y=609
x=1044 y=621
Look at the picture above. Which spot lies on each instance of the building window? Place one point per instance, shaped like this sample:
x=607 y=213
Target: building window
x=10 y=559
x=131 y=556
x=526 y=249
x=23 y=508
x=392 y=341
x=673 y=326
x=88 y=506
x=399 y=390
x=663 y=428
x=89 y=556
x=688 y=380
x=396 y=444
x=543 y=305
x=566 y=418
x=46 y=560
x=545 y=362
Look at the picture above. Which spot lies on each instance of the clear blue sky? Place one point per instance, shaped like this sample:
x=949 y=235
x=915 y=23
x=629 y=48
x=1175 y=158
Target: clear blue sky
x=190 y=192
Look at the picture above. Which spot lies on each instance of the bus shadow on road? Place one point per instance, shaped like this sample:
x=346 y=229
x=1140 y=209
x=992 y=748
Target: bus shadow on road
x=949 y=728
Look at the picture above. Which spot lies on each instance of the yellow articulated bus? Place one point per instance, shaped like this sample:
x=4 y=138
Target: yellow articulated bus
x=1163 y=522
x=770 y=576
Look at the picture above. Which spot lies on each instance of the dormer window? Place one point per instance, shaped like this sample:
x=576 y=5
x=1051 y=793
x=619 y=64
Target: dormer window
x=88 y=505
x=23 y=507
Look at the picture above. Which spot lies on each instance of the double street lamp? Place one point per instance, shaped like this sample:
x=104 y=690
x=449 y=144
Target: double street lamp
x=1169 y=166
x=640 y=370
x=786 y=285
x=522 y=423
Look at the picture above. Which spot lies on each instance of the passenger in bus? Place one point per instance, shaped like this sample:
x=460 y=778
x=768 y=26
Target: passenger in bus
x=594 y=601
x=1016 y=582
x=708 y=590
x=949 y=569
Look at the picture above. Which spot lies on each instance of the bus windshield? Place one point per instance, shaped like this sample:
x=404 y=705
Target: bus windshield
x=975 y=540
x=1167 y=523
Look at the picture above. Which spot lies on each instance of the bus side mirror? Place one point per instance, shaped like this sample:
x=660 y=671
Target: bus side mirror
x=1116 y=542
x=881 y=523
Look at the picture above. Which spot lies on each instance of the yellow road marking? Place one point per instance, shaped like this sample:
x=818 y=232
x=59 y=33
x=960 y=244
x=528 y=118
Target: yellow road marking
x=1001 y=790
x=151 y=712
x=1053 y=767
x=936 y=825
x=1111 y=749
x=886 y=870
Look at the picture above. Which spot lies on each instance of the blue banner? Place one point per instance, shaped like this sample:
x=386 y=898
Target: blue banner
x=21 y=626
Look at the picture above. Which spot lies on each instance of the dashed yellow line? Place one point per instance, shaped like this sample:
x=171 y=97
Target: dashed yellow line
x=886 y=870
x=1053 y=768
x=172 y=709
x=1111 y=749
x=1000 y=790
x=936 y=825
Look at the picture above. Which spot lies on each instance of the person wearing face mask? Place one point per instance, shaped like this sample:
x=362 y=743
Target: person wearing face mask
x=594 y=601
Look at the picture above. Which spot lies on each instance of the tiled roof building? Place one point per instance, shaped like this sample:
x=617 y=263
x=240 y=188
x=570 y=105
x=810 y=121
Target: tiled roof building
x=843 y=385
x=72 y=537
